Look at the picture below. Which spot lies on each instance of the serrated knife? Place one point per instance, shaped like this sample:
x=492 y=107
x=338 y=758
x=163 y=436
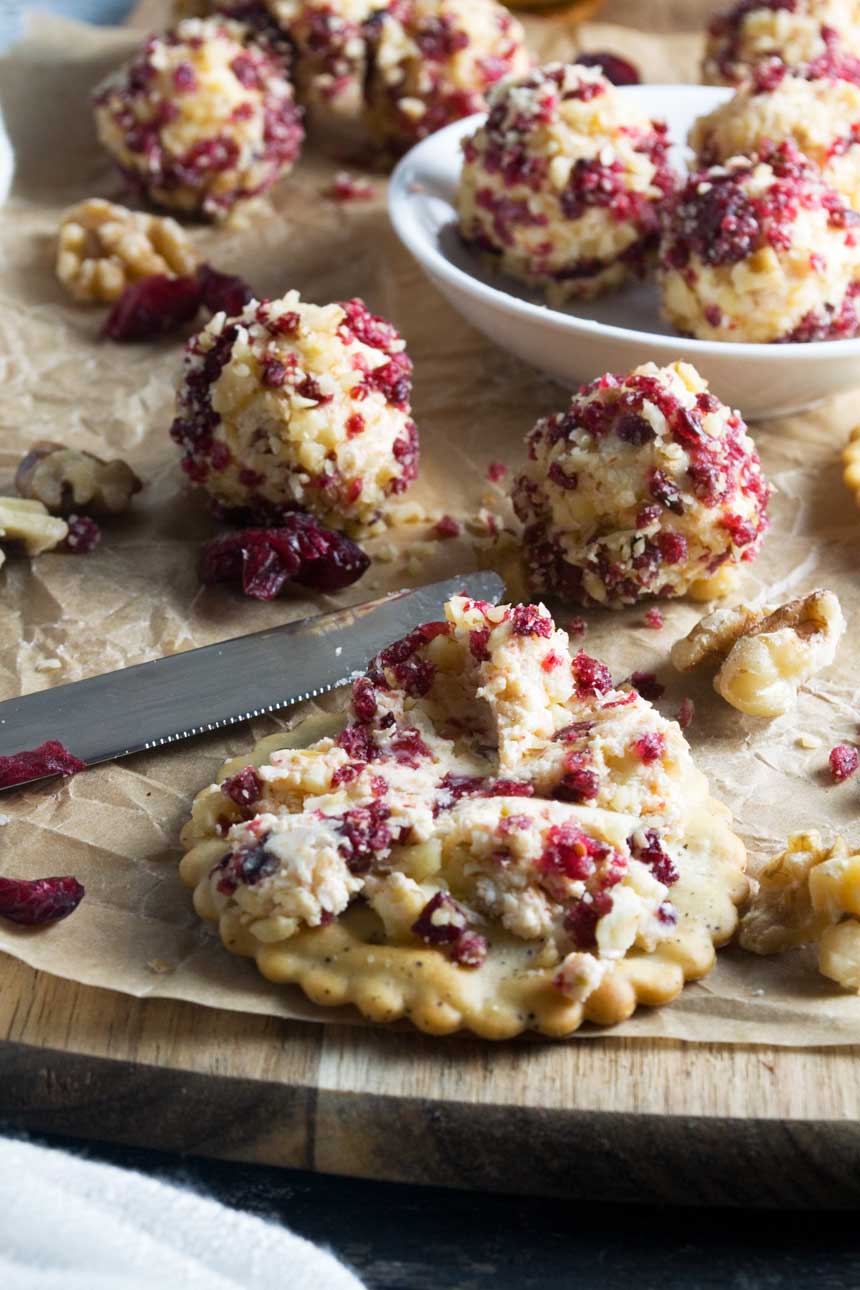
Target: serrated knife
x=151 y=705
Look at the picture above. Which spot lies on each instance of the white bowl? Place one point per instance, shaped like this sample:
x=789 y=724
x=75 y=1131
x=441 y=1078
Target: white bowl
x=620 y=330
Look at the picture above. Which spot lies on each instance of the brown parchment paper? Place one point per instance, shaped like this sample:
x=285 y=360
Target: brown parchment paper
x=137 y=597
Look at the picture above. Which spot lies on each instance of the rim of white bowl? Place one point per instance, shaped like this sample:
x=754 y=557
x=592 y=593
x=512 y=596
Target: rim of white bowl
x=428 y=255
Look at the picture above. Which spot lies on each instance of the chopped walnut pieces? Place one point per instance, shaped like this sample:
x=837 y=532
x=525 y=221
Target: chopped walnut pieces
x=29 y=523
x=67 y=480
x=102 y=248
x=811 y=893
x=780 y=915
x=767 y=653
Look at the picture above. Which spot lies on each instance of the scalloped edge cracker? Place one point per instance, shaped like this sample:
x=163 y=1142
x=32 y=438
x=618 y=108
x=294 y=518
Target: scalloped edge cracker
x=348 y=961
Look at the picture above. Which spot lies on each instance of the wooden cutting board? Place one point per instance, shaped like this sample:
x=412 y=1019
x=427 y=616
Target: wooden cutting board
x=627 y=1120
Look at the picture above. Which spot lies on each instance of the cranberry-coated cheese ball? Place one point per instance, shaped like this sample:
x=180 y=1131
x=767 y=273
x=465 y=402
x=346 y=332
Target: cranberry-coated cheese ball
x=800 y=33
x=761 y=250
x=291 y=405
x=647 y=485
x=201 y=118
x=330 y=45
x=433 y=62
x=563 y=185
x=820 y=117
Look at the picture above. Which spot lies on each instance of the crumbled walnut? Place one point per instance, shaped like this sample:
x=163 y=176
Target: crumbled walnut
x=781 y=915
x=811 y=893
x=29 y=523
x=103 y=248
x=839 y=954
x=67 y=480
x=766 y=653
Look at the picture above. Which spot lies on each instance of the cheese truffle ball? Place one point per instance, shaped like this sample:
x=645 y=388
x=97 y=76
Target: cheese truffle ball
x=290 y=405
x=201 y=118
x=646 y=486
x=761 y=250
x=820 y=117
x=810 y=33
x=433 y=62
x=563 y=186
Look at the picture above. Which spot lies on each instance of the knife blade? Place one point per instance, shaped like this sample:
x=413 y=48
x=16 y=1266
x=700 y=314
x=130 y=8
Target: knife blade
x=152 y=705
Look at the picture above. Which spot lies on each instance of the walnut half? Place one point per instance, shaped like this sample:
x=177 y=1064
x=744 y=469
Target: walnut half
x=102 y=248
x=766 y=654
x=67 y=480
x=810 y=894
x=29 y=523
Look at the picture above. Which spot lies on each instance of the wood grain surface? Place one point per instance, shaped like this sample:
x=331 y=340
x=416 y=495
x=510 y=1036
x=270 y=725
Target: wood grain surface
x=622 y=1119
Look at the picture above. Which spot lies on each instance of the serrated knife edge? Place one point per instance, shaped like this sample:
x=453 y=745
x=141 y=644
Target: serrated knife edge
x=156 y=704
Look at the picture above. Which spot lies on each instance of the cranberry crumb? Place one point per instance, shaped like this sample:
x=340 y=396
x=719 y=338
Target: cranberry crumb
x=590 y=676
x=496 y=471
x=444 y=923
x=50 y=758
x=344 y=188
x=83 y=536
x=244 y=788
x=34 y=902
x=447 y=527
x=844 y=760
x=686 y=712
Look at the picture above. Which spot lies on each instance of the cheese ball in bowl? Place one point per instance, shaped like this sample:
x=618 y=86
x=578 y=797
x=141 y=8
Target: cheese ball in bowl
x=821 y=117
x=807 y=33
x=432 y=62
x=761 y=250
x=201 y=118
x=647 y=485
x=294 y=406
x=563 y=185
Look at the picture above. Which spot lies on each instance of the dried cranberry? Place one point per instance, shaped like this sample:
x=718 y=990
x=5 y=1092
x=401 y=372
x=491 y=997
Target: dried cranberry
x=478 y=644
x=222 y=292
x=590 y=675
x=153 y=306
x=844 y=761
x=442 y=922
x=344 y=188
x=34 y=902
x=649 y=747
x=367 y=835
x=665 y=491
x=617 y=70
x=447 y=527
x=654 y=620
x=470 y=950
x=50 y=758
x=83 y=536
x=647 y=847
x=248 y=866
x=581 y=920
x=298 y=550
x=634 y=429
x=647 y=685
x=527 y=620
x=496 y=471
x=244 y=788
x=357 y=742
x=686 y=712
x=570 y=853
x=578 y=783
x=364 y=699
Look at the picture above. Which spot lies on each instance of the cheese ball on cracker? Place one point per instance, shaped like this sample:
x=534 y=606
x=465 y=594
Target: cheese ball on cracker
x=563 y=186
x=647 y=485
x=761 y=250
x=295 y=406
x=799 y=33
x=821 y=117
x=201 y=118
x=433 y=62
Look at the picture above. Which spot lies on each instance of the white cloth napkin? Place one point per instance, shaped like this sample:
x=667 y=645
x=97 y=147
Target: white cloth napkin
x=73 y=1224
